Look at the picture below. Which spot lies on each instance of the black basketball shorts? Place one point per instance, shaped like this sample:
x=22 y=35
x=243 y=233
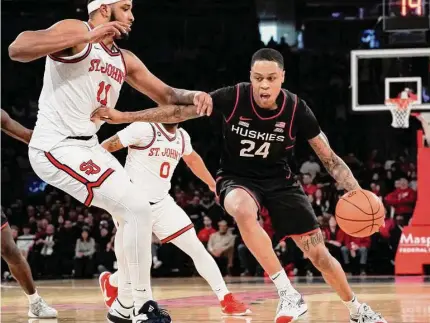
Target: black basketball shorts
x=289 y=208
x=3 y=220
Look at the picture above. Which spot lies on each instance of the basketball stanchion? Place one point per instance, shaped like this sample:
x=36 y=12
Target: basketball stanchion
x=413 y=252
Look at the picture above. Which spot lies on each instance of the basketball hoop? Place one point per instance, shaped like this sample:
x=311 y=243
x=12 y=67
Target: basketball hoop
x=400 y=110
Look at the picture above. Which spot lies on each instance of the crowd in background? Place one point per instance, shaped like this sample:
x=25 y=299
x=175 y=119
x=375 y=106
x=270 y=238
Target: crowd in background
x=62 y=238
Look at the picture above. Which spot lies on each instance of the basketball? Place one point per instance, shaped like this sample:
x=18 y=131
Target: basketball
x=360 y=213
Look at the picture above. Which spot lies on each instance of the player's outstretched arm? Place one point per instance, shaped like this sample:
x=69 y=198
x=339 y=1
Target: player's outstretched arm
x=198 y=167
x=14 y=129
x=140 y=78
x=335 y=166
x=65 y=35
x=112 y=144
x=162 y=114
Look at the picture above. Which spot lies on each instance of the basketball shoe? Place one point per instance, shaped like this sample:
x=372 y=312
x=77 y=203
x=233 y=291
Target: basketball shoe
x=109 y=292
x=151 y=313
x=119 y=313
x=290 y=307
x=366 y=315
x=231 y=306
x=40 y=309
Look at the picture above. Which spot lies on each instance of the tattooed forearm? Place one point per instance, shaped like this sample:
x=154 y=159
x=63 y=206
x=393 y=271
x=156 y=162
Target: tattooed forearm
x=180 y=96
x=112 y=144
x=164 y=114
x=335 y=166
x=307 y=242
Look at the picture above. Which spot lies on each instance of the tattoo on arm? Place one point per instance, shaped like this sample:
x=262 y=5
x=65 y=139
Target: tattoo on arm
x=181 y=96
x=313 y=240
x=335 y=166
x=112 y=144
x=164 y=114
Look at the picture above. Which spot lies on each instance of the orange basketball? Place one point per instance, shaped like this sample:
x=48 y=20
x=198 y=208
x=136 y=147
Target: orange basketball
x=360 y=213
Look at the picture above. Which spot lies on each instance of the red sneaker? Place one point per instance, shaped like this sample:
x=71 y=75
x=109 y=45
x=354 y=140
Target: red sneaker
x=231 y=306
x=109 y=292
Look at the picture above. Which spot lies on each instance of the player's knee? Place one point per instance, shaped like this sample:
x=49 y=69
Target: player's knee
x=321 y=259
x=134 y=204
x=241 y=212
x=10 y=252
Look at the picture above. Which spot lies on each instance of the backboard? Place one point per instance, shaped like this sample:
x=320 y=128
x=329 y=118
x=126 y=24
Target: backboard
x=378 y=75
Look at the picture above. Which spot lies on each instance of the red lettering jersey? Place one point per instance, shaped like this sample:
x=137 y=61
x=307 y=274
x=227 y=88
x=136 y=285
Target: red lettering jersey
x=73 y=87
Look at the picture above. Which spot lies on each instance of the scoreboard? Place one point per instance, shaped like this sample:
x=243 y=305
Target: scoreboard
x=406 y=15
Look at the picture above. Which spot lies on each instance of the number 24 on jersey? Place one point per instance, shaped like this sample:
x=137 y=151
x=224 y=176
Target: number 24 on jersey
x=250 y=151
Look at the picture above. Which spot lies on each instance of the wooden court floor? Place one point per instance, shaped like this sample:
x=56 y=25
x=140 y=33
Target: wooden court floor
x=401 y=299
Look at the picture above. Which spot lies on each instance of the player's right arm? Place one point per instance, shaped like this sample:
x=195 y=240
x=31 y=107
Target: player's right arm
x=112 y=144
x=14 y=129
x=139 y=134
x=65 y=38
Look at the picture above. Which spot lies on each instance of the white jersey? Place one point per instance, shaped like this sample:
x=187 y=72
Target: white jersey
x=153 y=154
x=73 y=87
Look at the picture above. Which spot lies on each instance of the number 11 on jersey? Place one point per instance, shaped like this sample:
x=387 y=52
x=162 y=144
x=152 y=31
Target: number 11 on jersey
x=248 y=151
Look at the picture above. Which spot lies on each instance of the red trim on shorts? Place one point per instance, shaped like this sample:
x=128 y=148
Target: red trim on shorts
x=183 y=142
x=250 y=193
x=178 y=233
x=236 y=104
x=150 y=144
x=165 y=134
x=4 y=225
x=89 y=185
x=289 y=147
x=272 y=117
x=301 y=234
x=292 y=118
x=74 y=60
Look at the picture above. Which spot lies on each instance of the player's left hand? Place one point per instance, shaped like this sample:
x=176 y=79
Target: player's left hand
x=109 y=115
x=204 y=104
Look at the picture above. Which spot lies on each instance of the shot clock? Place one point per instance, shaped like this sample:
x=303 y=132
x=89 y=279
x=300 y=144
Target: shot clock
x=406 y=15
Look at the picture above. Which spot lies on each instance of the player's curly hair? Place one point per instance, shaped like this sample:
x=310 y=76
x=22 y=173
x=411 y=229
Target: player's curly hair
x=268 y=54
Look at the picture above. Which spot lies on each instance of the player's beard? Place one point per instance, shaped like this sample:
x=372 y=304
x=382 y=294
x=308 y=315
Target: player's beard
x=124 y=36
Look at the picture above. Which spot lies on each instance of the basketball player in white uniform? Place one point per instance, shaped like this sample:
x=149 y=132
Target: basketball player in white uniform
x=84 y=70
x=154 y=151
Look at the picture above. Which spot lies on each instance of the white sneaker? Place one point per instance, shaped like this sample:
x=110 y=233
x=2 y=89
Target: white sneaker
x=290 y=307
x=41 y=310
x=120 y=314
x=157 y=264
x=366 y=315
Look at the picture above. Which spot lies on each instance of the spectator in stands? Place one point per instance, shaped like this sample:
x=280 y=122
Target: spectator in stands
x=308 y=187
x=334 y=237
x=321 y=202
x=106 y=259
x=195 y=212
x=310 y=167
x=402 y=199
x=25 y=241
x=45 y=255
x=84 y=251
x=205 y=233
x=67 y=235
x=207 y=202
x=221 y=246
x=355 y=248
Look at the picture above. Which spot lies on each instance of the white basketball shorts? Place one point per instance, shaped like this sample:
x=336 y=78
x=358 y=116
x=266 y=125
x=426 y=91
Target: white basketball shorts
x=169 y=221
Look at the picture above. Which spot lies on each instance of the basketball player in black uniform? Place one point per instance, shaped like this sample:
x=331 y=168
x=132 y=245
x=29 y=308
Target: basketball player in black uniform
x=262 y=121
x=18 y=266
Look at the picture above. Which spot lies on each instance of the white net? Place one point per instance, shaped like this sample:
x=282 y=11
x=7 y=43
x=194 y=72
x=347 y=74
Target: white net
x=400 y=110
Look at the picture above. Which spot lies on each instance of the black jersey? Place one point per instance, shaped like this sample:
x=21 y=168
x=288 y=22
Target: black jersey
x=258 y=143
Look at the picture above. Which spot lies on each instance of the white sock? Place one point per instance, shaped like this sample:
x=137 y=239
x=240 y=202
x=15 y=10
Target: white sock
x=282 y=283
x=113 y=279
x=121 y=278
x=206 y=266
x=33 y=298
x=353 y=305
